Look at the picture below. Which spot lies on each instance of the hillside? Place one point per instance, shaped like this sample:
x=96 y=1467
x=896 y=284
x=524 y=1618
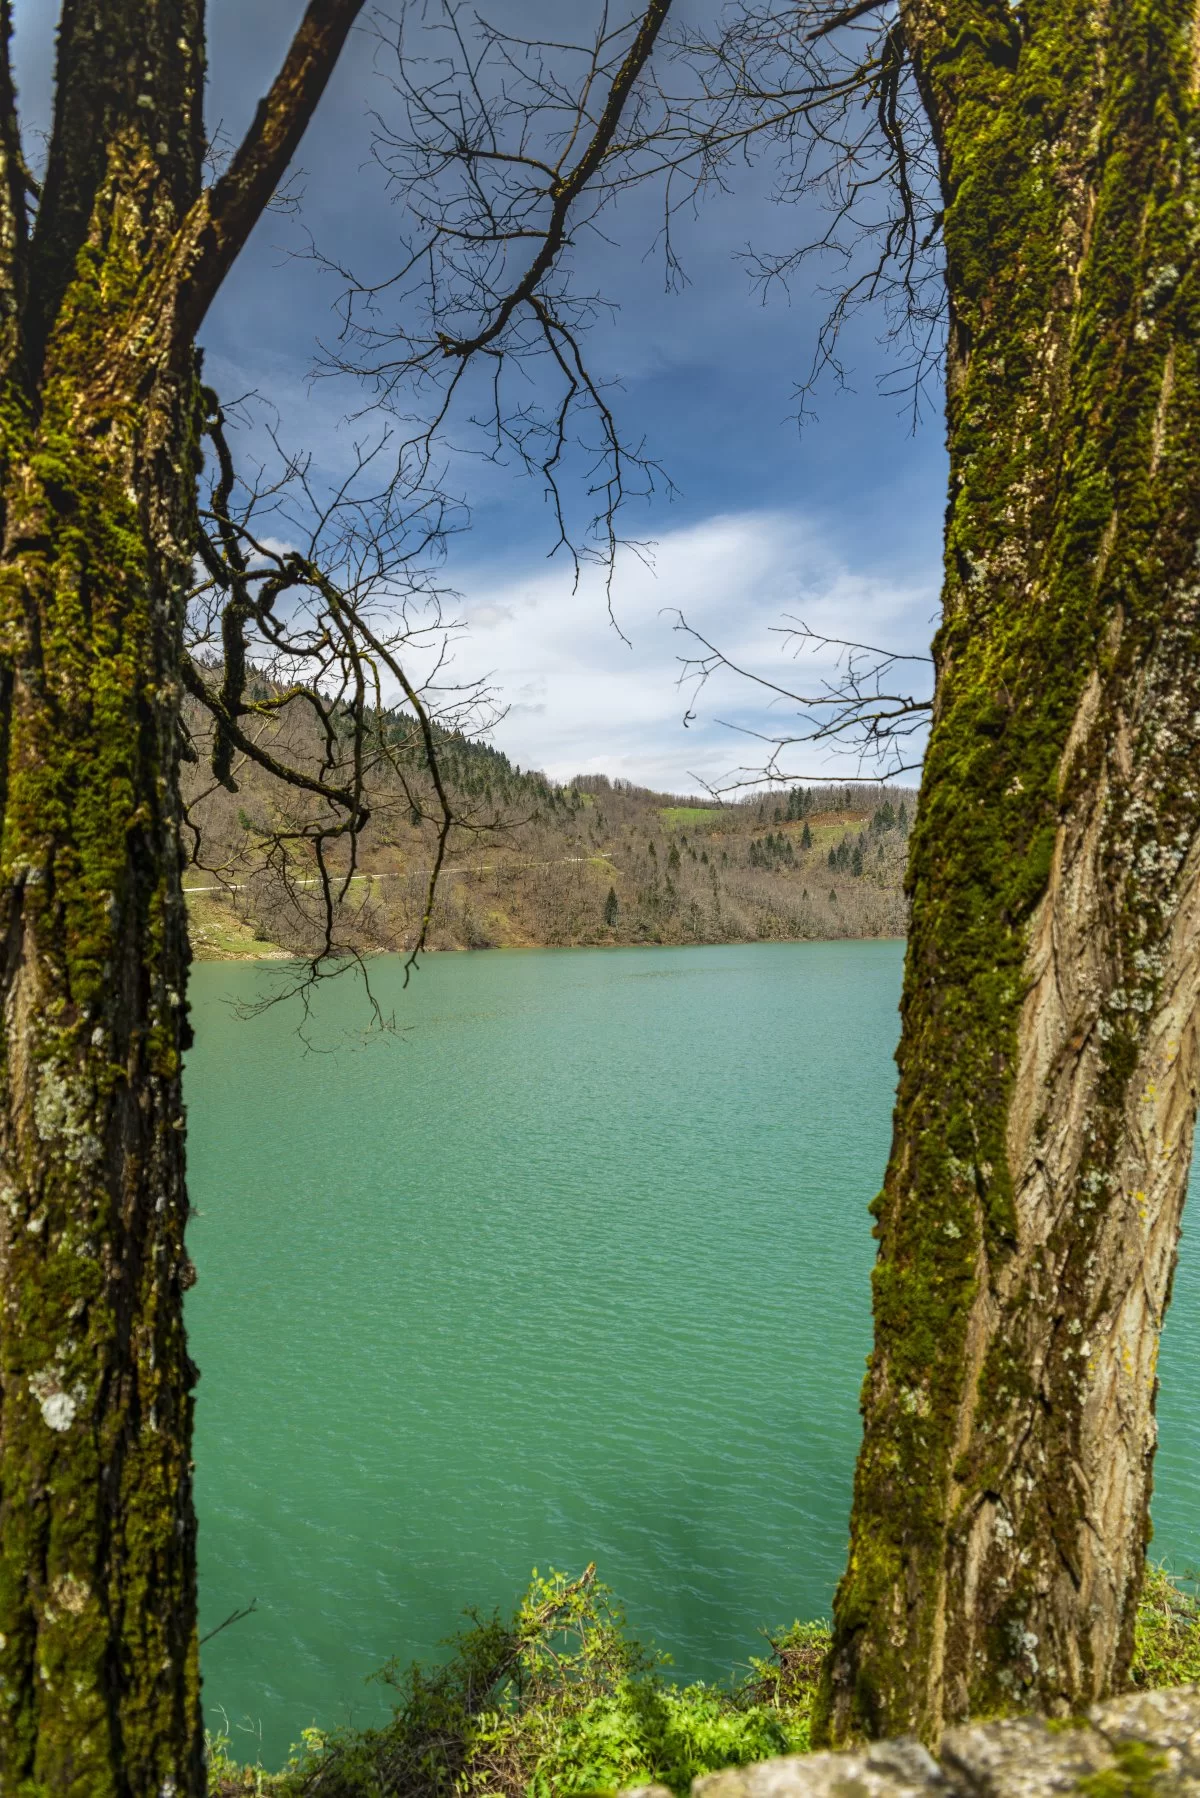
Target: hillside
x=536 y=863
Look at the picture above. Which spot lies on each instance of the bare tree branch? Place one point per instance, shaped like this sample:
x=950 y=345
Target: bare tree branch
x=565 y=189
x=307 y=604
x=233 y=1617
x=508 y=150
x=504 y=152
x=846 y=16
x=228 y=211
x=858 y=713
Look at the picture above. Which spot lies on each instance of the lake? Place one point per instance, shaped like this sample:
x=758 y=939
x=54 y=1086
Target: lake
x=572 y=1266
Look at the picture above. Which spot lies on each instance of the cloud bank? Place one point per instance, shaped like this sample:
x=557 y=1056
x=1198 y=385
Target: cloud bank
x=582 y=700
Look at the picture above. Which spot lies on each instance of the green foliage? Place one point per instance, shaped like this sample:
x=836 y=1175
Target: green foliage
x=1136 y=1774
x=559 y=1700
x=556 y=1700
x=642 y=1732
x=787 y=1678
x=1167 y=1641
x=772 y=851
x=846 y=857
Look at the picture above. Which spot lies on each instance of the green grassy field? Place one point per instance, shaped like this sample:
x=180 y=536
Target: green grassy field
x=675 y=817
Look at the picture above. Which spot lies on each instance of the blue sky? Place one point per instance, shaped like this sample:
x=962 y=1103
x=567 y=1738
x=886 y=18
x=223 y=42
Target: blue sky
x=839 y=524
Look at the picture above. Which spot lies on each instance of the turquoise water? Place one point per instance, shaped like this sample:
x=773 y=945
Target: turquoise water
x=573 y=1268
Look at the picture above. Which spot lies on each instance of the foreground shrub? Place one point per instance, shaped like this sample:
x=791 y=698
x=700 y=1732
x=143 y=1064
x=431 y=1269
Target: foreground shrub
x=1167 y=1643
x=559 y=1701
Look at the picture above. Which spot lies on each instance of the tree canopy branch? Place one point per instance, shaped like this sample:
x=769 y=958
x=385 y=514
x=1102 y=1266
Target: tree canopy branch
x=565 y=190
x=846 y=16
x=229 y=210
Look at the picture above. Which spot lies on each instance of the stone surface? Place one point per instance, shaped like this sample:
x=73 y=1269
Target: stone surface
x=884 y=1770
x=1022 y=1758
x=1145 y=1744
x=1167 y=1722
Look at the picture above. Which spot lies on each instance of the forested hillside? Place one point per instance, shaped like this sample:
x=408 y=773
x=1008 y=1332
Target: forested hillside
x=533 y=862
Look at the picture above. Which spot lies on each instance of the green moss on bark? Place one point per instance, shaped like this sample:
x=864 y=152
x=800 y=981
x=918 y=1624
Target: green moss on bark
x=99 y=1680
x=1070 y=202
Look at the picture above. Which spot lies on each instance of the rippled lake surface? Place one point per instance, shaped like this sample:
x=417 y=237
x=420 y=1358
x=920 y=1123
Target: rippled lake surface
x=572 y=1267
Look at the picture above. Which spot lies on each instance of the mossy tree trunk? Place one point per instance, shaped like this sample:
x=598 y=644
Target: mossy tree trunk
x=99 y=1682
x=1048 y=1061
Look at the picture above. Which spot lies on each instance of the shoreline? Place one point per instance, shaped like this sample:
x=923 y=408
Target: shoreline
x=271 y=952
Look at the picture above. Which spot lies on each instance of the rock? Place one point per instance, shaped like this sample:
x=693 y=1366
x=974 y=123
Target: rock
x=1022 y=1758
x=901 y=1769
x=1166 y=1723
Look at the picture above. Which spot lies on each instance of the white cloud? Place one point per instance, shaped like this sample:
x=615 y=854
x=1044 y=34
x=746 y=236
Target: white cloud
x=581 y=700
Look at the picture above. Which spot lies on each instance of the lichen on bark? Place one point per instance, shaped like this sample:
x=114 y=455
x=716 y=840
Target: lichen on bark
x=99 y=1680
x=1029 y=1214
x=99 y=415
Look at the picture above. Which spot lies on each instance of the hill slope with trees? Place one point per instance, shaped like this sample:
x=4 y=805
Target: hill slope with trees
x=534 y=862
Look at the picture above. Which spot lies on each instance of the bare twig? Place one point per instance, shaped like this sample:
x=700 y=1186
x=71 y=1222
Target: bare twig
x=319 y=628
x=858 y=712
x=233 y=1617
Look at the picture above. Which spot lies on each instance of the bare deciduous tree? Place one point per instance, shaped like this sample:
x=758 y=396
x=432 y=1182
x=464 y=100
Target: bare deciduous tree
x=107 y=270
x=1042 y=155
x=1045 y=154
x=867 y=707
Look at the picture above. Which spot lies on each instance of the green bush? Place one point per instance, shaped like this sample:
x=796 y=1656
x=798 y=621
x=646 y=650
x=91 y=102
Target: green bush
x=1167 y=1643
x=559 y=1701
x=644 y=1731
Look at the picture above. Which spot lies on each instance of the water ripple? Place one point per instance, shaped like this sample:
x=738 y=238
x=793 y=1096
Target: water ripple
x=575 y=1268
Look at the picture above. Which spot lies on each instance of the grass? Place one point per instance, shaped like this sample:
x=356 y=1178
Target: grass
x=1167 y=1644
x=559 y=1701
x=218 y=934
x=678 y=816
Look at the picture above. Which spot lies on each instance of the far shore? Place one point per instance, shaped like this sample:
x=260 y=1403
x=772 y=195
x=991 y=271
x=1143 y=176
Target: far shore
x=256 y=951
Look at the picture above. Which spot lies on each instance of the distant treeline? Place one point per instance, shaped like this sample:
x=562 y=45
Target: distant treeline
x=535 y=861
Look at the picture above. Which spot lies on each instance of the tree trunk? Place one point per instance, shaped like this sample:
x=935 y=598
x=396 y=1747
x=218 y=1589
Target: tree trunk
x=99 y=1679
x=98 y=1661
x=97 y=1536
x=1048 y=1059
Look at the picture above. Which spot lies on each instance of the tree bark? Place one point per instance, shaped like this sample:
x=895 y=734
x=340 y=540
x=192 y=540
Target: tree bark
x=99 y=416
x=1048 y=1060
x=98 y=1658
